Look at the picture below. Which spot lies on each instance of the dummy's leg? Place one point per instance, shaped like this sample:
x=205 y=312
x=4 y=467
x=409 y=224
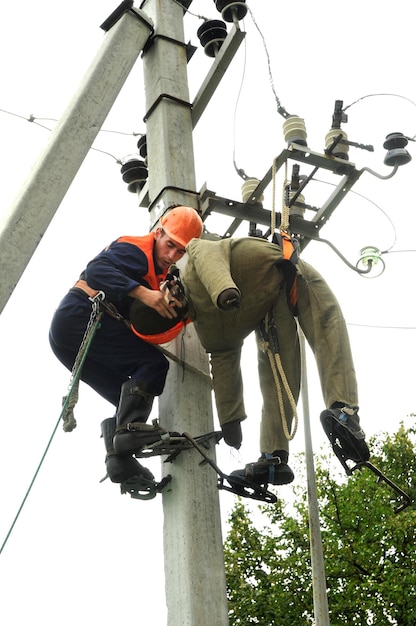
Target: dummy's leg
x=322 y=321
x=228 y=389
x=272 y=466
x=120 y=468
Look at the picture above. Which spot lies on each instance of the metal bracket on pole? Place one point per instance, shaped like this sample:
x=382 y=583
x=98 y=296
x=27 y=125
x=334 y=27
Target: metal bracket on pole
x=125 y=6
x=223 y=59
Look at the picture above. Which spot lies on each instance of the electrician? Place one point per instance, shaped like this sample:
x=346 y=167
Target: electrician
x=121 y=366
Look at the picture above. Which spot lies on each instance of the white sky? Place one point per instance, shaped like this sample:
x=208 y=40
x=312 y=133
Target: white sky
x=77 y=552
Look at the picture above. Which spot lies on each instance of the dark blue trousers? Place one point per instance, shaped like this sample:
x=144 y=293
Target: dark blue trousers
x=115 y=353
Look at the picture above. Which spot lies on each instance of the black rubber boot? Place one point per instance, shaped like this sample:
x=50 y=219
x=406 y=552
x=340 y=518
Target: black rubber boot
x=120 y=468
x=345 y=435
x=347 y=417
x=269 y=469
x=132 y=432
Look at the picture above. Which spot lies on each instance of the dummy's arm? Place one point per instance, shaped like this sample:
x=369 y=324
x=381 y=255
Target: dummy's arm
x=228 y=385
x=211 y=262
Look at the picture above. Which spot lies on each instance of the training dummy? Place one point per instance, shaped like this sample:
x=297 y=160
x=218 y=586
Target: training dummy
x=237 y=286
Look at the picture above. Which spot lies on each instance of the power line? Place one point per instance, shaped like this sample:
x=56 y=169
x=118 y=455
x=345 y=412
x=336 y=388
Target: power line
x=34 y=119
x=374 y=95
x=382 y=327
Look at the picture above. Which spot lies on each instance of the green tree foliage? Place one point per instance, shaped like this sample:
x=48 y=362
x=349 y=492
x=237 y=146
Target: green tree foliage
x=369 y=550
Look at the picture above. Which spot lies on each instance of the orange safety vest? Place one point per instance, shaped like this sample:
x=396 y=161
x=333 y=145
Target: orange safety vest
x=146 y=245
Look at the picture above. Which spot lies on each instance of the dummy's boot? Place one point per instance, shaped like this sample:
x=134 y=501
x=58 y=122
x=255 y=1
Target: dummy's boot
x=342 y=427
x=347 y=417
x=132 y=432
x=120 y=468
x=269 y=469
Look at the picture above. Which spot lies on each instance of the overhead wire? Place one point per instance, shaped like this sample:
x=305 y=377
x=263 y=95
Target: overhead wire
x=382 y=326
x=239 y=171
x=280 y=108
x=32 y=119
x=367 y=199
x=187 y=10
x=373 y=95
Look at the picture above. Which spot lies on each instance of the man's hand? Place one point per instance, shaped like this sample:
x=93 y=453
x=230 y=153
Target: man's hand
x=155 y=300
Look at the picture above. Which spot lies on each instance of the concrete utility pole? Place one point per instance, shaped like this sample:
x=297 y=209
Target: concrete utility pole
x=24 y=225
x=194 y=561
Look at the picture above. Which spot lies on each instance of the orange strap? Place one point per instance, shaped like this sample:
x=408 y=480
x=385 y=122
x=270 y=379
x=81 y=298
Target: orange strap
x=288 y=251
x=165 y=336
x=293 y=293
x=287 y=246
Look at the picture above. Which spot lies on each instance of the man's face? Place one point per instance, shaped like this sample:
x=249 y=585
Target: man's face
x=167 y=250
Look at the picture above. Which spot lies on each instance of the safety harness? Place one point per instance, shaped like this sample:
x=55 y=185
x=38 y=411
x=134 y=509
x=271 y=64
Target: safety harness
x=290 y=256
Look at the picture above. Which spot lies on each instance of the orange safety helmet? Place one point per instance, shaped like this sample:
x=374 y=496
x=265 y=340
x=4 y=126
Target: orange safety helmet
x=182 y=223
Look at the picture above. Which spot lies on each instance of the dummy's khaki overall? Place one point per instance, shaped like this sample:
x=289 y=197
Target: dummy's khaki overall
x=254 y=267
